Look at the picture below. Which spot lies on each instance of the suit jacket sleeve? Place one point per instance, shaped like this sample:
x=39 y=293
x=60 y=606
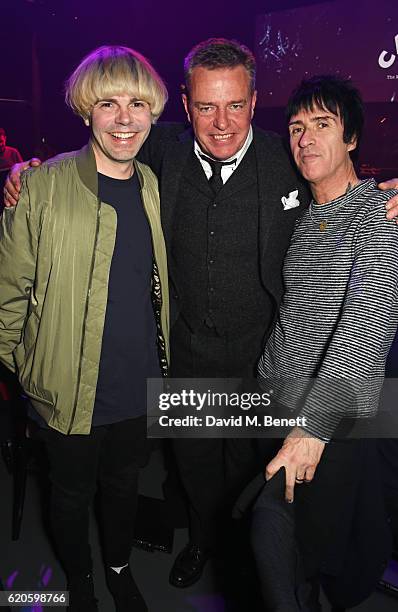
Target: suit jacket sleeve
x=161 y=137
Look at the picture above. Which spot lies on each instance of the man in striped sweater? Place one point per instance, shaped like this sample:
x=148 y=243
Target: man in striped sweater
x=326 y=355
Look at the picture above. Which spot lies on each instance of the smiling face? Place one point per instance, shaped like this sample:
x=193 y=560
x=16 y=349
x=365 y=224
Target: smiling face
x=220 y=107
x=319 y=150
x=119 y=125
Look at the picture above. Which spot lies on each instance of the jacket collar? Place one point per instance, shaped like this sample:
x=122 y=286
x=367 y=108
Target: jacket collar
x=87 y=168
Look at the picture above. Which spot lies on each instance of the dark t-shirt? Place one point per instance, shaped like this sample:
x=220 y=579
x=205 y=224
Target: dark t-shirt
x=129 y=353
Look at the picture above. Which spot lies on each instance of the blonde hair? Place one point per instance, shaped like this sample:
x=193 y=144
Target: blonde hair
x=112 y=70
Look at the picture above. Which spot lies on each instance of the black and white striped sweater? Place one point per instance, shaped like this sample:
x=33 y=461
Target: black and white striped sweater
x=326 y=354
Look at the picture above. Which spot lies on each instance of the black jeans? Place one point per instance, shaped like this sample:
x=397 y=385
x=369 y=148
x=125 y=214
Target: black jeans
x=111 y=455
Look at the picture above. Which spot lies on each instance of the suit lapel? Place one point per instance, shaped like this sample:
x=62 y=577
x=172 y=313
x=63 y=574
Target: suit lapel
x=195 y=175
x=276 y=177
x=268 y=191
x=242 y=177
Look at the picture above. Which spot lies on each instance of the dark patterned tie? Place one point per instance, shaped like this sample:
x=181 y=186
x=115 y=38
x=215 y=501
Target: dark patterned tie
x=215 y=181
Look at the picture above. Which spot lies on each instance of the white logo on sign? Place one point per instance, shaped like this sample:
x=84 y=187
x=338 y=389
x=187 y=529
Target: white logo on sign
x=387 y=63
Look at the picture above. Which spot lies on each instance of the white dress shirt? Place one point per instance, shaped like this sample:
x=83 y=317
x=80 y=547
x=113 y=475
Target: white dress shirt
x=226 y=171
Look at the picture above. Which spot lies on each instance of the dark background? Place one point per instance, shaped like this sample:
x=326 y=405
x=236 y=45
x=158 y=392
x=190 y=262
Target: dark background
x=48 y=38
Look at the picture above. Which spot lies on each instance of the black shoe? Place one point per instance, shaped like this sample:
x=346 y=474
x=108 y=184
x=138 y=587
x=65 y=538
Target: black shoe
x=81 y=594
x=188 y=566
x=124 y=591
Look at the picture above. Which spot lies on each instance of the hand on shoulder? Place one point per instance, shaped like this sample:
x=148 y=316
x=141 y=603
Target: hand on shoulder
x=12 y=185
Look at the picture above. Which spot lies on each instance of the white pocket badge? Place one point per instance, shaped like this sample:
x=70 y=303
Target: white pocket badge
x=291 y=201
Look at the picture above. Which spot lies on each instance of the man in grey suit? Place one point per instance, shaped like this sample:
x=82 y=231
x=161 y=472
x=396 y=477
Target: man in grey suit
x=225 y=189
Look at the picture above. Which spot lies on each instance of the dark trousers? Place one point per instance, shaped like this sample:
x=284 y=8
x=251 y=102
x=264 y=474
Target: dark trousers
x=389 y=460
x=295 y=545
x=112 y=456
x=212 y=470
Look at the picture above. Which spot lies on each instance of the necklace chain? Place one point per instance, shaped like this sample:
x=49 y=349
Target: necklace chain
x=324 y=223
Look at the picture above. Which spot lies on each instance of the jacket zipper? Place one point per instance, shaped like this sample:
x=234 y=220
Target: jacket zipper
x=79 y=372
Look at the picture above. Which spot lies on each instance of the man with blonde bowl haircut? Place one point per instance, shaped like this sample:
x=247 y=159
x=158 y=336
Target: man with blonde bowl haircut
x=84 y=313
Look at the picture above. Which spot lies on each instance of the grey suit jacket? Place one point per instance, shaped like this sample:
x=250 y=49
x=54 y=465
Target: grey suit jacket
x=167 y=150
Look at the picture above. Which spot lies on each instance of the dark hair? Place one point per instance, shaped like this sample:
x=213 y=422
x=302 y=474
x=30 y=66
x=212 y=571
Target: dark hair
x=336 y=95
x=220 y=53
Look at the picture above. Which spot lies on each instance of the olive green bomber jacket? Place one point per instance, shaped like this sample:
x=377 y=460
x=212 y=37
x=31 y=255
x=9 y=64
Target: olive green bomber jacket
x=56 y=249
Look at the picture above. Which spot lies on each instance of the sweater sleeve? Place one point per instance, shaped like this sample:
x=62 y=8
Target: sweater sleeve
x=18 y=248
x=364 y=332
